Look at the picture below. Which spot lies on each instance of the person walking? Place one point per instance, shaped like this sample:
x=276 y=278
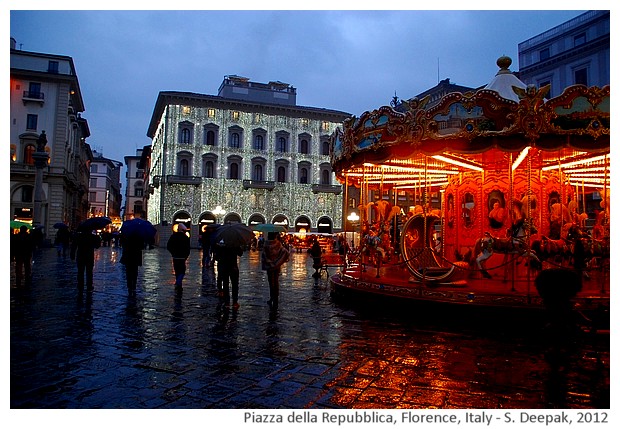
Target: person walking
x=132 y=258
x=179 y=247
x=83 y=248
x=228 y=271
x=315 y=251
x=22 y=246
x=63 y=241
x=274 y=254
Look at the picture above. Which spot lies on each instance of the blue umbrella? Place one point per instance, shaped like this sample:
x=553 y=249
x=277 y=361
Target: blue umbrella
x=94 y=223
x=140 y=228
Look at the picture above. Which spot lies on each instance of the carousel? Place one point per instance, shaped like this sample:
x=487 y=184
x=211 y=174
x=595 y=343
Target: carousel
x=506 y=184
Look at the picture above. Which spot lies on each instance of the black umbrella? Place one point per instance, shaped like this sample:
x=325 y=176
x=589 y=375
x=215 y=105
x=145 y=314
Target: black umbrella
x=61 y=225
x=139 y=227
x=94 y=223
x=233 y=235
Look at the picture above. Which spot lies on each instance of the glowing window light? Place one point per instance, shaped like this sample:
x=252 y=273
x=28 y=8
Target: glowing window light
x=520 y=158
x=457 y=162
x=579 y=162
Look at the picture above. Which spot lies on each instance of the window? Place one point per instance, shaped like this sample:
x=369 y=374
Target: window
x=305 y=122
x=325 y=126
x=137 y=207
x=184 y=163
x=257 y=174
x=234 y=140
x=325 y=148
x=579 y=39
x=259 y=142
x=325 y=177
x=93 y=182
x=28 y=151
x=211 y=113
x=303 y=172
x=139 y=174
x=92 y=197
x=31 y=122
x=185 y=136
x=211 y=138
x=235 y=115
x=93 y=168
x=233 y=171
x=186 y=132
x=34 y=90
x=544 y=54
x=303 y=146
x=581 y=76
x=52 y=67
x=209 y=170
x=27 y=192
x=281 y=144
x=281 y=174
x=209 y=163
x=138 y=192
x=184 y=167
x=210 y=134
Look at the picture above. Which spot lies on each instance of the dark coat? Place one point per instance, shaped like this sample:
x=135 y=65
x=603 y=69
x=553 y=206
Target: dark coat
x=178 y=245
x=83 y=246
x=226 y=257
x=132 y=250
x=22 y=245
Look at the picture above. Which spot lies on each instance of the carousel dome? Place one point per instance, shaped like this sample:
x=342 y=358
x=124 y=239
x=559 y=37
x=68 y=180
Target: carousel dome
x=505 y=80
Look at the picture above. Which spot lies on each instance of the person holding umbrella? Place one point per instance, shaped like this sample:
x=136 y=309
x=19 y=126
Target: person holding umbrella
x=135 y=234
x=179 y=247
x=63 y=238
x=274 y=254
x=83 y=248
x=228 y=270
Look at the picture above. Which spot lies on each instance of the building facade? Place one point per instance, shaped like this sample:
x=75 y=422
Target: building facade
x=105 y=188
x=247 y=155
x=575 y=52
x=135 y=195
x=45 y=96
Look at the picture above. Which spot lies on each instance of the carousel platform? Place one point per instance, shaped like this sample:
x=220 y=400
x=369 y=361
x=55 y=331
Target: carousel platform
x=494 y=299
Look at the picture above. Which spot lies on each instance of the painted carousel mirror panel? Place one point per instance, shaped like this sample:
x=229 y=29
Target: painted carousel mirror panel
x=496 y=209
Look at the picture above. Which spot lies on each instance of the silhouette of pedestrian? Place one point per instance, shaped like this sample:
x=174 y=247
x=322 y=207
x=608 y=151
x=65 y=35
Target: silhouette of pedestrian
x=274 y=254
x=83 y=248
x=228 y=269
x=22 y=246
x=132 y=258
x=63 y=241
x=179 y=247
x=315 y=251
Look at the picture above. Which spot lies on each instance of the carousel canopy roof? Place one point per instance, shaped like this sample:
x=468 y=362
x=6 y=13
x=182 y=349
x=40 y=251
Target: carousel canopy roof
x=505 y=82
x=481 y=130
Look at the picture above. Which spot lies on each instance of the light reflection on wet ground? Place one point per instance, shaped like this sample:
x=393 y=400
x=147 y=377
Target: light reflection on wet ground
x=158 y=349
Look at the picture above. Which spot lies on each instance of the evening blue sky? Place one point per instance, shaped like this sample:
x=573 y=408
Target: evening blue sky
x=348 y=60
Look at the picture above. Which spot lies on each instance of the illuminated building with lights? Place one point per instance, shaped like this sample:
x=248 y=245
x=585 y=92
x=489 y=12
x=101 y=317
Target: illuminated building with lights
x=45 y=96
x=250 y=150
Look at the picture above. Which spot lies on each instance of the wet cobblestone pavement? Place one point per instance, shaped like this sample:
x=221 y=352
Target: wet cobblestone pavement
x=158 y=349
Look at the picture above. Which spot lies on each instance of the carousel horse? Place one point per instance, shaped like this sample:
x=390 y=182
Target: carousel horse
x=514 y=244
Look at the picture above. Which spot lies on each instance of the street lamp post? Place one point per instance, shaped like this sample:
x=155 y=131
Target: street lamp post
x=353 y=218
